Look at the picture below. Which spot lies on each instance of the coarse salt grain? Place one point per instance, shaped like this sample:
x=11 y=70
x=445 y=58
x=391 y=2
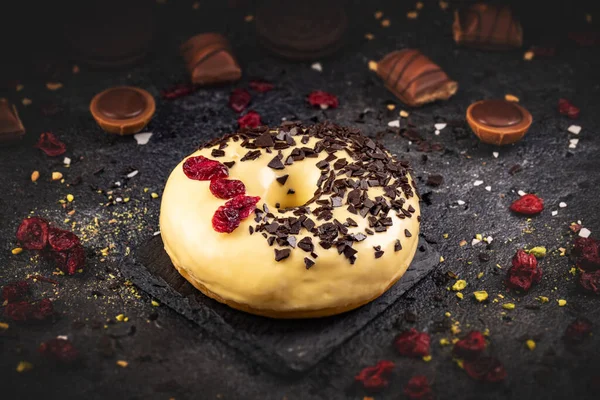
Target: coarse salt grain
x=488 y=188
x=521 y=193
x=562 y=204
x=67 y=161
x=489 y=239
x=440 y=126
x=132 y=173
x=63 y=337
x=460 y=202
x=584 y=232
x=477 y=183
x=575 y=129
x=573 y=143
x=554 y=213
x=156 y=233
x=495 y=154
x=394 y=124
x=437 y=132
x=142 y=138
x=475 y=241
x=317 y=67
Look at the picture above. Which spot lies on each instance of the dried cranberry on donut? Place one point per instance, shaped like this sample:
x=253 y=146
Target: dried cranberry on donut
x=201 y=168
x=227 y=188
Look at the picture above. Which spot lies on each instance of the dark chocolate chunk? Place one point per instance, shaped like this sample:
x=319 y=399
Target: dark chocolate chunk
x=264 y=140
x=282 y=179
x=282 y=254
x=308 y=262
x=229 y=164
x=291 y=191
x=434 y=180
x=397 y=245
x=407 y=233
x=11 y=128
x=306 y=244
x=217 y=153
x=378 y=253
x=276 y=163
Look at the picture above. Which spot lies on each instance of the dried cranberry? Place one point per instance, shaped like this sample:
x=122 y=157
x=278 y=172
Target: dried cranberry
x=226 y=219
x=261 y=86
x=418 y=388
x=485 y=369
x=563 y=106
x=15 y=291
x=413 y=343
x=227 y=188
x=319 y=98
x=573 y=112
x=524 y=271
x=177 y=91
x=529 y=204
x=61 y=240
x=23 y=311
x=250 y=120
x=239 y=100
x=470 y=347
x=69 y=261
x=578 y=331
x=587 y=253
x=590 y=281
x=61 y=350
x=203 y=169
x=50 y=145
x=244 y=204
x=33 y=233
x=375 y=377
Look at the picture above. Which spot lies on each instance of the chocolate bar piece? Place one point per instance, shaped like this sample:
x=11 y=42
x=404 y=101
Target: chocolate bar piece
x=11 y=128
x=414 y=78
x=487 y=27
x=209 y=59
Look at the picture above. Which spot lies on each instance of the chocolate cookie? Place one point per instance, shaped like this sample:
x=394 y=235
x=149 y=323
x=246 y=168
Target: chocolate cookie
x=301 y=30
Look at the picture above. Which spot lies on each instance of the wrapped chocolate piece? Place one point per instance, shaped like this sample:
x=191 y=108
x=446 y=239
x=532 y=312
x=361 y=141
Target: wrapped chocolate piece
x=11 y=127
x=487 y=27
x=209 y=59
x=414 y=78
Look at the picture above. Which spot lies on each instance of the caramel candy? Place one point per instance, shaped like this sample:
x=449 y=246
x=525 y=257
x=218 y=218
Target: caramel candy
x=209 y=60
x=414 y=78
x=487 y=27
x=498 y=122
x=11 y=127
x=123 y=110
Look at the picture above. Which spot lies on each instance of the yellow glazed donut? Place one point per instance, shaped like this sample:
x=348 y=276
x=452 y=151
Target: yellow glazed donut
x=337 y=222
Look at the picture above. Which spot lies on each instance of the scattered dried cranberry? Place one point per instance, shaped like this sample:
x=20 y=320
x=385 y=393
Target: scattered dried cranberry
x=33 y=233
x=177 y=91
x=470 y=347
x=528 y=204
x=25 y=311
x=590 y=281
x=578 y=331
x=50 y=145
x=61 y=350
x=239 y=100
x=587 y=253
x=228 y=217
x=15 y=291
x=61 y=240
x=261 y=86
x=573 y=112
x=524 y=272
x=227 y=188
x=413 y=343
x=69 y=261
x=563 y=106
x=319 y=98
x=250 y=120
x=418 y=388
x=485 y=369
x=203 y=169
x=375 y=377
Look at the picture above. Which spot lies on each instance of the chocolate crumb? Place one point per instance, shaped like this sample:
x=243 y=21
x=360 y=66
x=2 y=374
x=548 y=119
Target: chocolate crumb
x=514 y=169
x=435 y=180
x=407 y=233
x=291 y=191
x=397 y=245
x=308 y=262
x=276 y=163
x=282 y=179
x=282 y=254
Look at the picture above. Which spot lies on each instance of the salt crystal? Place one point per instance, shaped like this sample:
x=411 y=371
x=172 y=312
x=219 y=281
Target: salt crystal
x=521 y=193
x=584 y=232
x=495 y=154
x=156 y=233
x=317 y=67
x=118 y=199
x=554 y=213
x=488 y=188
x=574 y=129
x=489 y=239
x=477 y=183
x=63 y=337
x=460 y=202
x=573 y=143
x=394 y=124
x=437 y=132
x=142 y=138
x=132 y=173
x=562 y=204
x=440 y=126
x=475 y=241
x=117 y=183
x=67 y=161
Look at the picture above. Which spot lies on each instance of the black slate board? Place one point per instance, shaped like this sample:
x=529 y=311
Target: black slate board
x=282 y=346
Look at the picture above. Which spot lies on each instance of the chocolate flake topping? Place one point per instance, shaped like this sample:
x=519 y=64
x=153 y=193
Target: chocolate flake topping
x=282 y=179
x=282 y=254
x=276 y=163
x=397 y=245
x=308 y=262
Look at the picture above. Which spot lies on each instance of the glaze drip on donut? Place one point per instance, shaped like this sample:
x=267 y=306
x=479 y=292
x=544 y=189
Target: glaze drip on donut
x=343 y=183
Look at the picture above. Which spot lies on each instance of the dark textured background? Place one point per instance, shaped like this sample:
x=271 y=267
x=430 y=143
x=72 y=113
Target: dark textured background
x=170 y=357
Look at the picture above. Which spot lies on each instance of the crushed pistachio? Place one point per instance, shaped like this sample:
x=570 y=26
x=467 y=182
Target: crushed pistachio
x=35 y=175
x=562 y=302
x=562 y=251
x=54 y=85
x=442 y=259
x=528 y=56
x=24 y=366
x=155 y=303
x=508 y=306
x=122 y=363
x=573 y=271
x=511 y=97
x=391 y=107
x=538 y=251
x=447 y=314
x=459 y=295
x=385 y=23
x=500 y=295
x=530 y=344
x=462 y=243
x=412 y=15
x=479 y=237
x=543 y=299
x=486 y=332
x=444 y=342
x=480 y=275
x=404 y=114
x=154 y=195
x=454 y=340
x=445 y=236
x=56 y=176
x=369 y=36
x=427 y=358
x=17 y=250
x=459 y=363
x=70 y=198
x=3 y=325
x=455 y=329
x=480 y=295
x=373 y=65
x=459 y=285
x=120 y=317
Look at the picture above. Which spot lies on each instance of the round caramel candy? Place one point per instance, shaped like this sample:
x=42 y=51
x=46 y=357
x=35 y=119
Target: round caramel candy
x=123 y=110
x=498 y=122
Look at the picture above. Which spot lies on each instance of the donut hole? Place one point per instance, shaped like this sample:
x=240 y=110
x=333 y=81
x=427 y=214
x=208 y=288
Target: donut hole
x=298 y=189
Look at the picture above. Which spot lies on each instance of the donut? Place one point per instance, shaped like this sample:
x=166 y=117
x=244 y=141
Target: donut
x=291 y=222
